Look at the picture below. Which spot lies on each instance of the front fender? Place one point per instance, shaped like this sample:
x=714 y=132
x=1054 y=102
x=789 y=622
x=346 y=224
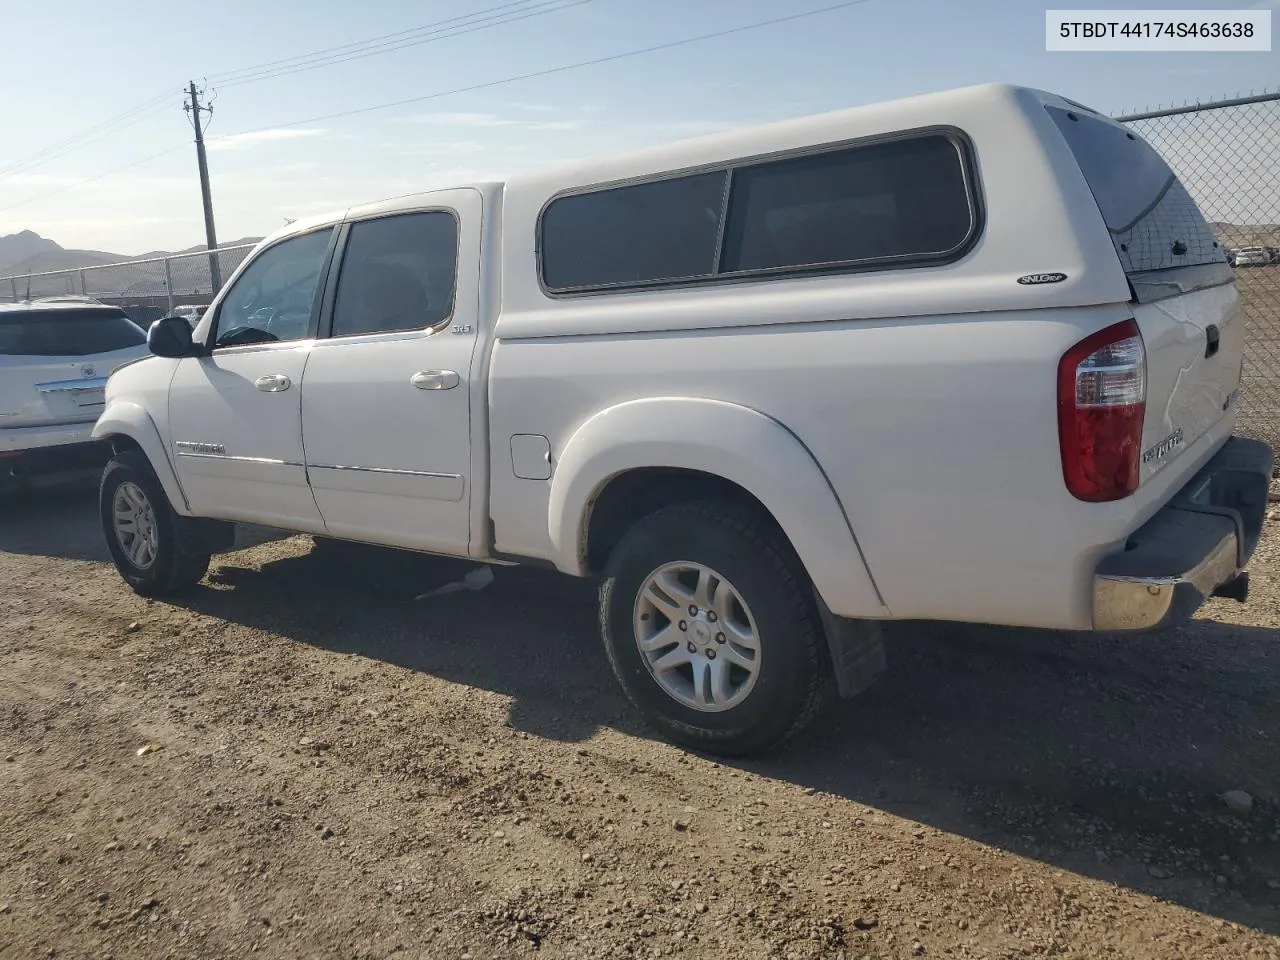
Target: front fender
x=123 y=418
x=730 y=441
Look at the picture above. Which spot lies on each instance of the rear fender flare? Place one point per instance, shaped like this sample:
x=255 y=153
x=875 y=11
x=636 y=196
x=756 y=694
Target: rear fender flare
x=728 y=440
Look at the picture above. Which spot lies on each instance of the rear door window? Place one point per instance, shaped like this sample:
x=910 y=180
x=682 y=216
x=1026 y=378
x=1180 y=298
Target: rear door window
x=398 y=273
x=1154 y=223
x=67 y=333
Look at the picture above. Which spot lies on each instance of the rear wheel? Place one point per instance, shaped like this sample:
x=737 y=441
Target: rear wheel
x=711 y=628
x=141 y=529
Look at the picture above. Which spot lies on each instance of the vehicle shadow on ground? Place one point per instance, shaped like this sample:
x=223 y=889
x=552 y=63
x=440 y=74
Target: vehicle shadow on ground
x=54 y=519
x=530 y=635
x=60 y=519
x=1104 y=756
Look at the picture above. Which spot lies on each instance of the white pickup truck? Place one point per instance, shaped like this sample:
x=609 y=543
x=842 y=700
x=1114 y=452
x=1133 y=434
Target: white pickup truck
x=971 y=356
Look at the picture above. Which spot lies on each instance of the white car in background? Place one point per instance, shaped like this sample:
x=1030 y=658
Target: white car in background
x=192 y=313
x=1252 y=257
x=55 y=357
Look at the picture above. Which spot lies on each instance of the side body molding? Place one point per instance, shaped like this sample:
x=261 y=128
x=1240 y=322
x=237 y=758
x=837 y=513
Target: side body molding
x=730 y=441
x=126 y=419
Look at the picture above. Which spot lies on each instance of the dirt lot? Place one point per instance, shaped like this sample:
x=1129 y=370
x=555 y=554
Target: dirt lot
x=1260 y=400
x=345 y=771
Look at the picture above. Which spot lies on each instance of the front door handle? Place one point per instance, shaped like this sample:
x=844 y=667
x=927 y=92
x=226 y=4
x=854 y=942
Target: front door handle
x=435 y=379
x=275 y=383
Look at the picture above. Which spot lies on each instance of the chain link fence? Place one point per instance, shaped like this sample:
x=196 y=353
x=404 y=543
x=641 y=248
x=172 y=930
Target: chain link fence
x=1227 y=155
x=145 y=289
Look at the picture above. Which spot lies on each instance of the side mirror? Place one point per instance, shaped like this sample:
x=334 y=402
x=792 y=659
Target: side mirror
x=171 y=337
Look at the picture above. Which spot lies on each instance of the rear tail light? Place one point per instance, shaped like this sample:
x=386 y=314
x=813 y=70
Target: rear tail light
x=1102 y=393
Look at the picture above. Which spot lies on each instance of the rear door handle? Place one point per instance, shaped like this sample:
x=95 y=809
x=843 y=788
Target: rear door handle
x=275 y=383
x=435 y=379
x=1211 y=340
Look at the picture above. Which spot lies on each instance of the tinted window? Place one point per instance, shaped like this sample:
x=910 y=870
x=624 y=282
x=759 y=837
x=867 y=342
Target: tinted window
x=273 y=299
x=67 y=333
x=398 y=273
x=901 y=199
x=1146 y=208
x=665 y=230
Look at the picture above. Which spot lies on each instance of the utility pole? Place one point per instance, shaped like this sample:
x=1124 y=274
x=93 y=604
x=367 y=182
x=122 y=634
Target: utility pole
x=211 y=238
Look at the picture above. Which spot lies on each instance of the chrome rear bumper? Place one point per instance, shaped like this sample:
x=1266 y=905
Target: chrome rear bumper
x=1195 y=546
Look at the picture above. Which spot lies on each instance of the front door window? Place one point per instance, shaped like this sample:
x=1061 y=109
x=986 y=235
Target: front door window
x=274 y=298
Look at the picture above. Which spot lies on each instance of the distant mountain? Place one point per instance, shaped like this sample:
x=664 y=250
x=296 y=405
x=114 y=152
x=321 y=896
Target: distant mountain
x=18 y=247
x=28 y=252
x=59 y=259
x=198 y=248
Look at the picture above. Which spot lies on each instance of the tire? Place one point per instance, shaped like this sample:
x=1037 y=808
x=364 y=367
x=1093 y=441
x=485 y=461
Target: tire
x=163 y=567
x=773 y=694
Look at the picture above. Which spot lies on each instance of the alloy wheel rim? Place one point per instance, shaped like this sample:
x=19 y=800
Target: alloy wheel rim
x=134 y=521
x=697 y=637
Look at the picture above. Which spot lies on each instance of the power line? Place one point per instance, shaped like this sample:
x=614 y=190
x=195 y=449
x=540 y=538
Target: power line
x=426 y=33
x=101 y=176
x=235 y=74
x=147 y=108
x=18 y=170
x=669 y=45
x=440 y=35
x=485 y=85
x=510 y=12
x=356 y=45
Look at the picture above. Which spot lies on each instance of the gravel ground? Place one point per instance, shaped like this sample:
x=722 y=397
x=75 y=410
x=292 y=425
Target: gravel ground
x=300 y=759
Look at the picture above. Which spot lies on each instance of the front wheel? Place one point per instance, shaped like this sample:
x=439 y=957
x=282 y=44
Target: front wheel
x=712 y=630
x=141 y=529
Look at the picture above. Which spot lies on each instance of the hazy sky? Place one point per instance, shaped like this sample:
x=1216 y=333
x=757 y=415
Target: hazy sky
x=70 y=65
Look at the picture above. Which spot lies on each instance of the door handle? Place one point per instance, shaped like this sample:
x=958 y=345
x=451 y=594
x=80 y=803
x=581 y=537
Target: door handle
x=275 y=383
x=435 y=379
x=1211 y=340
